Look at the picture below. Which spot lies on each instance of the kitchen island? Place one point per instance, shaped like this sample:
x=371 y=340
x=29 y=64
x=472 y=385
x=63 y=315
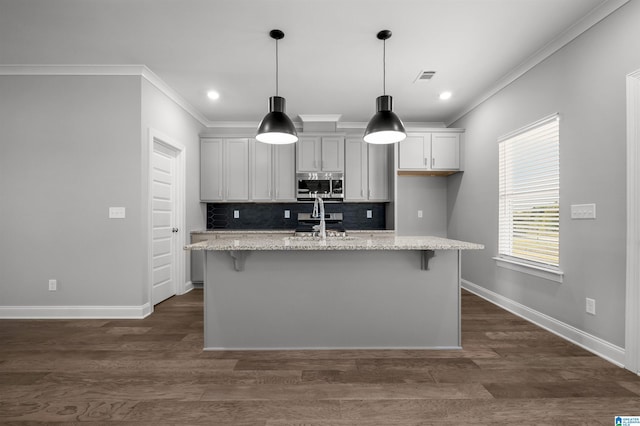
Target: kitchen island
x=367 y=290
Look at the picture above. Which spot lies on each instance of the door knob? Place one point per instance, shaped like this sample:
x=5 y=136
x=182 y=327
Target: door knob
x=174 y=229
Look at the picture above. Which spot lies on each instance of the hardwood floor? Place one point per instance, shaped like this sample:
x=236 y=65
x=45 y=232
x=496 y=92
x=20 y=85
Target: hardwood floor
x=154 y=371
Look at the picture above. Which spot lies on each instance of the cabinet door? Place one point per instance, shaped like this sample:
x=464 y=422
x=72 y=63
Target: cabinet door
x=262 y=168
x=284 y=172
x=378 y=166
x=332 y=156
x=355 y=170
x=445 y=151
x=237 y=167
x=308 y=154
x=414 y=152
x=211 y=160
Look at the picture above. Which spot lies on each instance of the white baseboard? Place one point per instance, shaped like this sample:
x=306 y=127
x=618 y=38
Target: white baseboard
x=596 y=345
x=75 y=312
x=188 y=286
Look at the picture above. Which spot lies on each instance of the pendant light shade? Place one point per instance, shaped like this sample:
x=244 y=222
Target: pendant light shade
x=276 y=127
x=385 y=126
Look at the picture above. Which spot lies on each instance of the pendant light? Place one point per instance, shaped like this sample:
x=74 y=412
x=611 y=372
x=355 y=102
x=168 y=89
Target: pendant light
x=385 y=126
x=276 y=127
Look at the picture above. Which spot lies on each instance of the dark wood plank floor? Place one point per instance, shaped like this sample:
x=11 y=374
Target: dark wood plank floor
x=154 y=371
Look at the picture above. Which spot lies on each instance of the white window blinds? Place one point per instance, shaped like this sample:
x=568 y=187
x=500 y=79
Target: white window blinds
x=529 y=222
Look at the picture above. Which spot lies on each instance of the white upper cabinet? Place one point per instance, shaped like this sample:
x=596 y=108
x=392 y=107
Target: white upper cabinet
x=224 y=169
x=366 y=171
x=262 y=167
x=237 y=169
x=378 y=177
x=211 y=166
x=320 y=154
x=355 y=170
x=273 y=172
x=284 y=172
x=430 y=151
x=415 y=152
x=445 y=151
x=243 y=169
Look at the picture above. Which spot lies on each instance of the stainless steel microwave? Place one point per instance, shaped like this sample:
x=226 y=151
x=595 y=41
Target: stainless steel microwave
x=323 y=185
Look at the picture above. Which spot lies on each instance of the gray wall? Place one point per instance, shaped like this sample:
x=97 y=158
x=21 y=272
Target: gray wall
x=585 y=83
x=162 y=114
x=71 y=147
x=426 y=193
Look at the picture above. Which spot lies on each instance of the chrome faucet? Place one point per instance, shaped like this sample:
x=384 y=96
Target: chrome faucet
x=318 y=210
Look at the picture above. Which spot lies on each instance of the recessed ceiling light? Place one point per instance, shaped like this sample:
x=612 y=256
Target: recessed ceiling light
x=445 y=95
x=213 y=95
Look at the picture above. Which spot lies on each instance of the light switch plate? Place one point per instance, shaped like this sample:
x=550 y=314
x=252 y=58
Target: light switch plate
x=369 y=214
x=583 y=211
x=287 y=214
x=419 y=213
x=236 y=214
x=117 y=213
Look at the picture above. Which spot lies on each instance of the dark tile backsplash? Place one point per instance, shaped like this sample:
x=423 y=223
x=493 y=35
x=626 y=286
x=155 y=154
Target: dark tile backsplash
x=271 y=215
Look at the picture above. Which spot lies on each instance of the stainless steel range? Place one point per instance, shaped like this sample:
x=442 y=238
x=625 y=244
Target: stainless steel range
x=307 y=222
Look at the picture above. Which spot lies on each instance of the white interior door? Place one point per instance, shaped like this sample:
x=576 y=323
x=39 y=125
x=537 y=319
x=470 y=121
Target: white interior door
x=163 y=218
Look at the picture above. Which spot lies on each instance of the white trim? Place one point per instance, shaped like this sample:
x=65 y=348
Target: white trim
x=75 y=312
x=596 y=345
x=181 y=151
x=415 y=126
x=108 y=70
x=528 y=127
x=324 y=118
x=338 y=348
x=174 y=96
x=557 y=43
x=188 y=286
x=632 y=316
x=101 y=70
x=527 y=268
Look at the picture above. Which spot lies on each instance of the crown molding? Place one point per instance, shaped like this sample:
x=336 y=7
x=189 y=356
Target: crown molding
x=319 y=118
x=413 y=125
x=557 y=43
x=102 y=70
x=108 y=70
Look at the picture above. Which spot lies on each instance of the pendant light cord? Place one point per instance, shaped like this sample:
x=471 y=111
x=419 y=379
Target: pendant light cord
x=384 y=67
x=276 y=67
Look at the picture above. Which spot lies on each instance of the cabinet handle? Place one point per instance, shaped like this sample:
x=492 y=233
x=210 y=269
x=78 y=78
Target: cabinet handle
x=433 y=162
x=362 y=193
x=425 y=162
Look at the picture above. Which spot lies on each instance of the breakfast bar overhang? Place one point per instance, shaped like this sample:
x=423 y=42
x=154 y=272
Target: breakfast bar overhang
x=363 y=292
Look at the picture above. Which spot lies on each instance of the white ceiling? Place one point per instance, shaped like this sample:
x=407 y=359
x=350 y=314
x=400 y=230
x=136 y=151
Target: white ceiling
x=330 y=58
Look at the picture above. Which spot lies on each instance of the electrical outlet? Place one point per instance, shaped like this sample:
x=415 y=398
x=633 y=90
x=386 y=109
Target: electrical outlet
x=236 y=214
x=369 y=214
x=419 y=213
x=287 y=214
x=53 y=285
x=591 y=306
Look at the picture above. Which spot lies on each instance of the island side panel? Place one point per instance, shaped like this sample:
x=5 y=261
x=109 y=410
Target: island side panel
x=332 y=299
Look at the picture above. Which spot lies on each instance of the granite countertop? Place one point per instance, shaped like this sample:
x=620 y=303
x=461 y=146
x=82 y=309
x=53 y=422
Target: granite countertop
x=363 y=240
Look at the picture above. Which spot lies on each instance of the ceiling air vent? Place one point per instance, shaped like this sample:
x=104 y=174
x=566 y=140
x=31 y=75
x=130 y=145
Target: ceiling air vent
x=425 y=76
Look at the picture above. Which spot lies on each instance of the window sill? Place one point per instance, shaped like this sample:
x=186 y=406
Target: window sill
x=538 y=271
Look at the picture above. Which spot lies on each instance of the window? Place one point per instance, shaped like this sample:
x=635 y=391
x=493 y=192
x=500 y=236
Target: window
x=529 y=196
